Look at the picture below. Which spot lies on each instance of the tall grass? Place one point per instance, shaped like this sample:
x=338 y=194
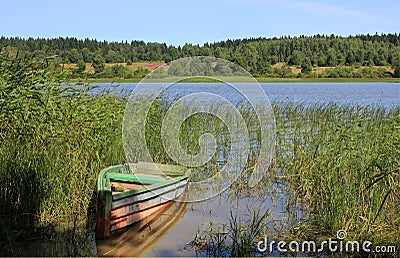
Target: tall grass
x=238 y=238
x=54 y=138
x=342 y=163
x=339 y=165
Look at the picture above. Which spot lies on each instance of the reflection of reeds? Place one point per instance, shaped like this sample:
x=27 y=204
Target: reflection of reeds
x=238 y=238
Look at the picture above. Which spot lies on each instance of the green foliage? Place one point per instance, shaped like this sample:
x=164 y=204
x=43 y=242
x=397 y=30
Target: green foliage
x=349 y=72
x=140 y=72
x=342 y=164
x=238 y=239
x=74 y=56
x=283 y=72
x=296 y=58
x=98 y=64
x=337 y=164
x=122 y=71
x=55 y=138
x=81 y=66
x=397 y=71
x=306 y=67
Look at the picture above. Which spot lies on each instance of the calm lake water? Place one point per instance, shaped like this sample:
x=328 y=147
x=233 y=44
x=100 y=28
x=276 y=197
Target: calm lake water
x=170 y=232
x=367 y=93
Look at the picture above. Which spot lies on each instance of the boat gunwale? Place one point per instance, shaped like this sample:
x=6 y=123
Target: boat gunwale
x=104 y=181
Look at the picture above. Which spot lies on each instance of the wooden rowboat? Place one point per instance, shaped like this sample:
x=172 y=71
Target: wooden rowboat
x=130 y=193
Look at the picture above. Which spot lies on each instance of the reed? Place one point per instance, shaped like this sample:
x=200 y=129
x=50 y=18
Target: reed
x=238 y=238
x=55 y=138
x=341 y=164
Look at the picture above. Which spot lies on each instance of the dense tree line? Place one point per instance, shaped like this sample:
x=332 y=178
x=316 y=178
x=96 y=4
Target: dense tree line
x=256 y=55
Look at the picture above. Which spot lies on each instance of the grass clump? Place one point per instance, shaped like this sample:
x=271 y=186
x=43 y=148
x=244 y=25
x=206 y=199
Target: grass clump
x=237 y=239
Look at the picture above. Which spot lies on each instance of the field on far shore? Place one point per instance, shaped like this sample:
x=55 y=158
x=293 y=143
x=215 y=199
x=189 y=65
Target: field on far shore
x=295 y=71
x=153 y=65
x=134 y=66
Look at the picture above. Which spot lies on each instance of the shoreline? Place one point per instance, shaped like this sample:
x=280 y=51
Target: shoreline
x=259 y=79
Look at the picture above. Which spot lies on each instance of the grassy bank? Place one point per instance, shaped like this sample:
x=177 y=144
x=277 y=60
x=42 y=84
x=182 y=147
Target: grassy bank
x=233 y=79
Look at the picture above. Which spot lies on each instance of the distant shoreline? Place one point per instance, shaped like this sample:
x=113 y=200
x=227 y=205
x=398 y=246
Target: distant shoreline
x=259 y=79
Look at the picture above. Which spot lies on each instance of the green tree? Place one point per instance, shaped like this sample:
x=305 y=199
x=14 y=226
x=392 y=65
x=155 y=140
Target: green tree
x=81 y=66
x=75 y=56
x=397 y=71
x=251 y=53
x=98 y=64
x=396 y=64
x=296 y=58
x=306 y=66
x=331 y=57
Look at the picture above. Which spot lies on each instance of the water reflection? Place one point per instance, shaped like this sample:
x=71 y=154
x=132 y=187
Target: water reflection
x=136 y=240
x=216 y=213
x=171 y=232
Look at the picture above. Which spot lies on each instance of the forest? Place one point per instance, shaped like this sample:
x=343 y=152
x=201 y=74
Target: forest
x=360 y=56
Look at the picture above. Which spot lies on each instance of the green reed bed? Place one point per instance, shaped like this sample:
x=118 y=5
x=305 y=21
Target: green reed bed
x=339 y=165
x=342 y=163
x=55 y=138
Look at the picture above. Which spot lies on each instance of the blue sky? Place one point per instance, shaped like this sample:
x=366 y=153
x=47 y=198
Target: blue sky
x=178 y=22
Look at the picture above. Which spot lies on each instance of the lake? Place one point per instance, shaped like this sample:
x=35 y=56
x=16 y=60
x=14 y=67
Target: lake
x=366 y=93
x=175 y=227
